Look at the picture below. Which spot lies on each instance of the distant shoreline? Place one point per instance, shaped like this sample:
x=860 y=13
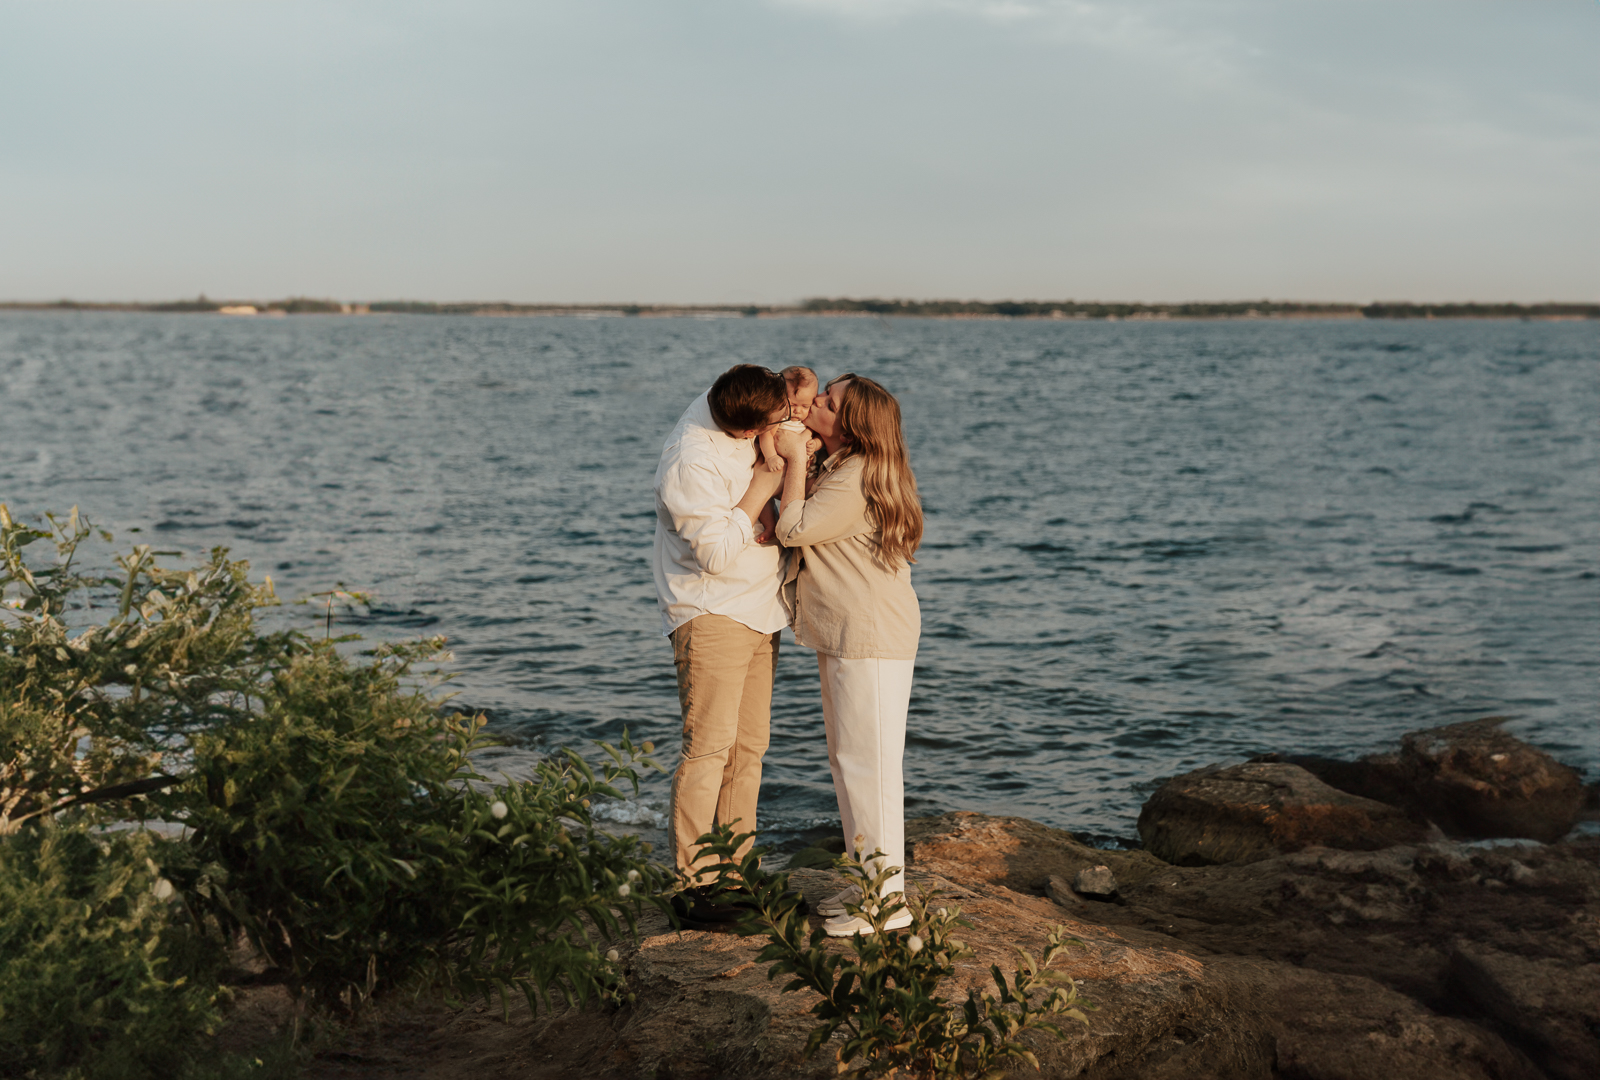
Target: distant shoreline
x=1063 y=310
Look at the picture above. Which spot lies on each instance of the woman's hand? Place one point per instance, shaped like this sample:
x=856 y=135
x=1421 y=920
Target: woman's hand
x=794 y=445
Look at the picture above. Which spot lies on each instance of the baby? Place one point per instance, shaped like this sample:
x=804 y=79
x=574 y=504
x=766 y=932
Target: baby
x=802 y=386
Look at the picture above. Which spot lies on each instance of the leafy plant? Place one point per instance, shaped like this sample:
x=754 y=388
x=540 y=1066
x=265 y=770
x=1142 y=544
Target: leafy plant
x=540 y=888
x=96 y=979
x=95 y=711
x=883 y=992
x=329 y=808
x=320 y=826
x=341 y=832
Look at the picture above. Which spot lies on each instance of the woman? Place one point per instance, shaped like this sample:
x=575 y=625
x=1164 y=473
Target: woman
x=850 y=598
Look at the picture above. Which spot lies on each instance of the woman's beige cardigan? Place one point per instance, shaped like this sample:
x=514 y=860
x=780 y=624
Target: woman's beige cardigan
x=843 y=600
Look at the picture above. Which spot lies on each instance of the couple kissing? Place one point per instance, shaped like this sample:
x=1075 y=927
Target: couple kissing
x=781 y=502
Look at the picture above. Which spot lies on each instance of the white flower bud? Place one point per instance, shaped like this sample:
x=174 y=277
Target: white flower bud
x=914 y=944
x=633 y=875
x=623 y=890
x=497 y=809
x=613 y=956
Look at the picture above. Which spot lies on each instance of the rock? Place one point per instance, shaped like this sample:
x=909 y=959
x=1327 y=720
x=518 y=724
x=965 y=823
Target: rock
x=1062 y=893
x=1310 y=951
x=1552 y=1008
x=1342 y=1027
x=1321 y=964
x=1377 y=929
x=706 y=1009
x=1241 y=813
x=1023 y=855
x=1474 y=780
x=1377 y=776
x=1097 y=883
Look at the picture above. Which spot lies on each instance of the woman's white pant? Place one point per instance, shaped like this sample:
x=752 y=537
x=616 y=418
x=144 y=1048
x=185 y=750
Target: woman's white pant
x=864 y=705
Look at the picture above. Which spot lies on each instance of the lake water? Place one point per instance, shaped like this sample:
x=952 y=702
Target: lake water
x=1149 y=546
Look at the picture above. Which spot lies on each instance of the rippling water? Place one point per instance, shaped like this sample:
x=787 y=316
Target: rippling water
x=1149 y=545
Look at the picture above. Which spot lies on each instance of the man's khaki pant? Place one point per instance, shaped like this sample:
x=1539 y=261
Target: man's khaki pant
x=725 y=672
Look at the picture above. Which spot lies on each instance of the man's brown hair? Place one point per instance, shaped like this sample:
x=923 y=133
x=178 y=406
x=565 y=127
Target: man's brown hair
x=745 y=396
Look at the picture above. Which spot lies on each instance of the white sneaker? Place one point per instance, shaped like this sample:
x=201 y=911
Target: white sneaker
x=849 y=925
x=834 y=905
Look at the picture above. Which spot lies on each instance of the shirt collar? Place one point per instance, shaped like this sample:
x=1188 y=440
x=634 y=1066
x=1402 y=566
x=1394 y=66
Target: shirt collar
x=835 y=459
x=720 y=439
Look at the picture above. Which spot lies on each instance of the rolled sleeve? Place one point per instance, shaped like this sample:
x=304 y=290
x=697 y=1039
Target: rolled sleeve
x=695 y=499
x=834 y=512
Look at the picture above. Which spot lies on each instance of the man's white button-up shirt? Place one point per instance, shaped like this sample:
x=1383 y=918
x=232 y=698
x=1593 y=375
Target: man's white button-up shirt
x=706 y=559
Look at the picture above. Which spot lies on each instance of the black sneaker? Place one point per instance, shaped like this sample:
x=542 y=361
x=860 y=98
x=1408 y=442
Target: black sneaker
x=703 y=908
x=741 y=898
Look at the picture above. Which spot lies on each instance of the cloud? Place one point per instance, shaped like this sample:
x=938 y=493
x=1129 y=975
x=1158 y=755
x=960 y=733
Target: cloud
x=1191 y=36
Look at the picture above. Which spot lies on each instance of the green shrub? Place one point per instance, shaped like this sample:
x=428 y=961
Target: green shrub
x=319 y=824
x=89 y=710
x=539 y=888
x=329 y=808
x=340 y=830
x=883 y=993
x=96 y=979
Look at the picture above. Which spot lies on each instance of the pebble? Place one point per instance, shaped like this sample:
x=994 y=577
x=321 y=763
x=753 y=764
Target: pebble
x=1096 y=882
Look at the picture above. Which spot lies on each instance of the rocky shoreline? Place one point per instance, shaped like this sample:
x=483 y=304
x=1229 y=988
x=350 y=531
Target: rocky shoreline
x=1315 y=933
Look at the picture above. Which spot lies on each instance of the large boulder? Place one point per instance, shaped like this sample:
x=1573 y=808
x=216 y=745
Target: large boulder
x=1342 y=956
x=1474 y=780
x=1551 y=1007
x=1377 y=776
x=1241 y=813
x=1344 y=1027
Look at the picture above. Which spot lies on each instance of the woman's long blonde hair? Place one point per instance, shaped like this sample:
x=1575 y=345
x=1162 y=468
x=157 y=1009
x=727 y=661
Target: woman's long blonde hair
x=869 y=418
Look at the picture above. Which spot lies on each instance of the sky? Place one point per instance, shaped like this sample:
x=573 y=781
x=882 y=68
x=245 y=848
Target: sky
x=765 y=151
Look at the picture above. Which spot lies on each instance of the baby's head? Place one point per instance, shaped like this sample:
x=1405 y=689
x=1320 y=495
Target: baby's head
x=801 y=384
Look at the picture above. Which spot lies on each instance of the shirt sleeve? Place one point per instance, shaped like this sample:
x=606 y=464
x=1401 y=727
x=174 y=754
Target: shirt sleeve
x=696 y=499
x=836 y=511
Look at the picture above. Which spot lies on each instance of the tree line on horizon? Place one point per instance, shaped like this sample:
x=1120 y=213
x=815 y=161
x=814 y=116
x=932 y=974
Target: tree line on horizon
x=1193 y=310
x=1019 y=309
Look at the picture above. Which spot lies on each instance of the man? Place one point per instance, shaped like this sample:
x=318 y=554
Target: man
x=718 y=589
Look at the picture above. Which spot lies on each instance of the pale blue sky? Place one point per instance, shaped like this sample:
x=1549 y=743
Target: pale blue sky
x=741 y=150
